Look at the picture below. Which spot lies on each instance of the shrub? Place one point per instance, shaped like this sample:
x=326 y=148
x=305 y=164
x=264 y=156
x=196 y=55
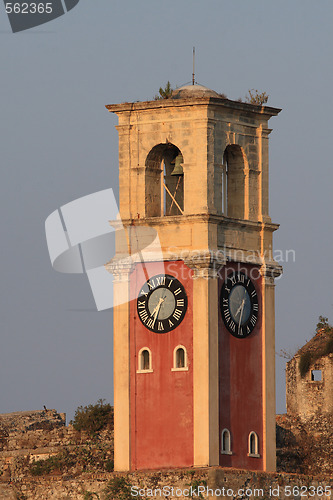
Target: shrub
x=255 y=97
x=93 y=418
x=59 y=462
x=165 y=93
x=194 y=484
x=119 y=488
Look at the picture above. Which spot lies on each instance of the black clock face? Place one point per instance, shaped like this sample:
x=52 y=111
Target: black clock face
x=162 y=303
x=239 y=304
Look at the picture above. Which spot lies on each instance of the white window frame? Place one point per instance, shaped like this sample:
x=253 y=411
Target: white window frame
x=256 y=445
x=226 y=452
x=184 y=368
x=148 y=370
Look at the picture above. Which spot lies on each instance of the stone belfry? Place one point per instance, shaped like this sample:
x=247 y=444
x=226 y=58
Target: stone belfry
x=194 y=350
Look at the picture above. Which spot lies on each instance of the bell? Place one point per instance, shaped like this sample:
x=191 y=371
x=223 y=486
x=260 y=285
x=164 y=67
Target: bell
x=178 y=169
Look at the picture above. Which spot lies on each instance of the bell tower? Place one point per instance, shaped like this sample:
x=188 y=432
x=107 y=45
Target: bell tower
x=194 y=349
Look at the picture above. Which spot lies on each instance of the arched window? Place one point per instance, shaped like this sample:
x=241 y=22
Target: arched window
x=144 y=361
x=180 y=359
x=164 y=181
x=253 y=445
x=226 y=442
x=235 y=183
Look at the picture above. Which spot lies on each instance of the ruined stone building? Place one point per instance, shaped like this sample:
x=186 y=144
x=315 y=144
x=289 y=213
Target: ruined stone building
x=305 y=433
x=309 y=379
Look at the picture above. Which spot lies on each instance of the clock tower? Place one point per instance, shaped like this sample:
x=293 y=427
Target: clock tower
x=194 y=350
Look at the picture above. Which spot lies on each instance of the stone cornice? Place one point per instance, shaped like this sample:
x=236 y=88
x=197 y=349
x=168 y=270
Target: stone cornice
x=269 y=271
x=124 y=107
x=195 y=218
x=205 y=264
x=121 y=267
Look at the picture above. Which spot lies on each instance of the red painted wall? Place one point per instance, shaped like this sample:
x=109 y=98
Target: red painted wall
x=240 y=373
x=162 y=401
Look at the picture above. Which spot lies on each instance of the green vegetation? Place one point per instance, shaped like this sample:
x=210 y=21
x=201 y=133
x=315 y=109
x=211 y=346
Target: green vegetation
x=255 y=97
x=165 y=93
x=119 y=488
x=90 y=495
x=305 y=363
x=194 y=484
x=82 y=458
x=309 y=357
x=93 y=418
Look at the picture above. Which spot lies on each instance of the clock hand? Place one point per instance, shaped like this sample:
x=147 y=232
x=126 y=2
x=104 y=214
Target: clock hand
x=241 y=314
x=240 y=307
x=157 y=308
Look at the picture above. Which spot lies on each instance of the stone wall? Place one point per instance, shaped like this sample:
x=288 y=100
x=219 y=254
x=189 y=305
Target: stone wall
x=209 y=483
x=307 y=397
x=305 y=447
x=80 y=472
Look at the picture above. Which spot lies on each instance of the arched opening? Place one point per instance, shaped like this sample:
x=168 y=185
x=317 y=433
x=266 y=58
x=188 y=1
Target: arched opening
x=225 y=442
x=144 y=360
x=164 y=181
x=235 y=183
x=253 y=445
x=180 y=359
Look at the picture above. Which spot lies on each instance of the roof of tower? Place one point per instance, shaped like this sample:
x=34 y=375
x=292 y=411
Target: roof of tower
x=193 y=91
x=320 y=345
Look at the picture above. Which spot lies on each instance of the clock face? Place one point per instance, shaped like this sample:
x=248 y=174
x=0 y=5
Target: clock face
x=162 y=303
x=239 y=304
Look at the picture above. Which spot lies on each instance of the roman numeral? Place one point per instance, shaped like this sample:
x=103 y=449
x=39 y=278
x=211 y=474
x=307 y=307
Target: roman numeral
x=253 y=320
x=160 y=326
x=255 y=307
x=177 y=314
x=160 y=280
x=248 y=282
x=248 y=329
x=143 y=293
x=141 y=304
x=150 y=322
x=233 y=280
x=177 y=292
x=228 y=289
x=151 y=284
x=170 y=323
x=143 y=315
x=170 y=283
x=225 y=302
x=227 y=314
x=253 y=293
x=232 y=326
x=241 y=278
x=180 y=302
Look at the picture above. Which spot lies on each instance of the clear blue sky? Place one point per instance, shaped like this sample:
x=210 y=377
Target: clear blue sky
x=59 y=143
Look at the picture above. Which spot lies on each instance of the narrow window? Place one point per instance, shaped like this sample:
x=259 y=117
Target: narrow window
x=253 y=445
x=226 y=442
x=316 y=376
x=224 y=189
x=145 y=362
x=180 y=359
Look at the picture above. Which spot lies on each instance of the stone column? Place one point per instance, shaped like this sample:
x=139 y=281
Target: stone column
x=121 y=270
x=205 y=356
x=268 y=274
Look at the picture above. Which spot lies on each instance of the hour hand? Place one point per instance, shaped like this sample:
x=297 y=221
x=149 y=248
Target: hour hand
x=240 y=307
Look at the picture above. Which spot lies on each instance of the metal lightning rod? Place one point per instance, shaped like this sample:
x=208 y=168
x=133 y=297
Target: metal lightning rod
x=193 y=80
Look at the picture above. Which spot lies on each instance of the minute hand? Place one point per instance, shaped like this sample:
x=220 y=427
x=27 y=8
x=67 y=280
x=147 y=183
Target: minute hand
x=157 y=309
x=241 y=314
